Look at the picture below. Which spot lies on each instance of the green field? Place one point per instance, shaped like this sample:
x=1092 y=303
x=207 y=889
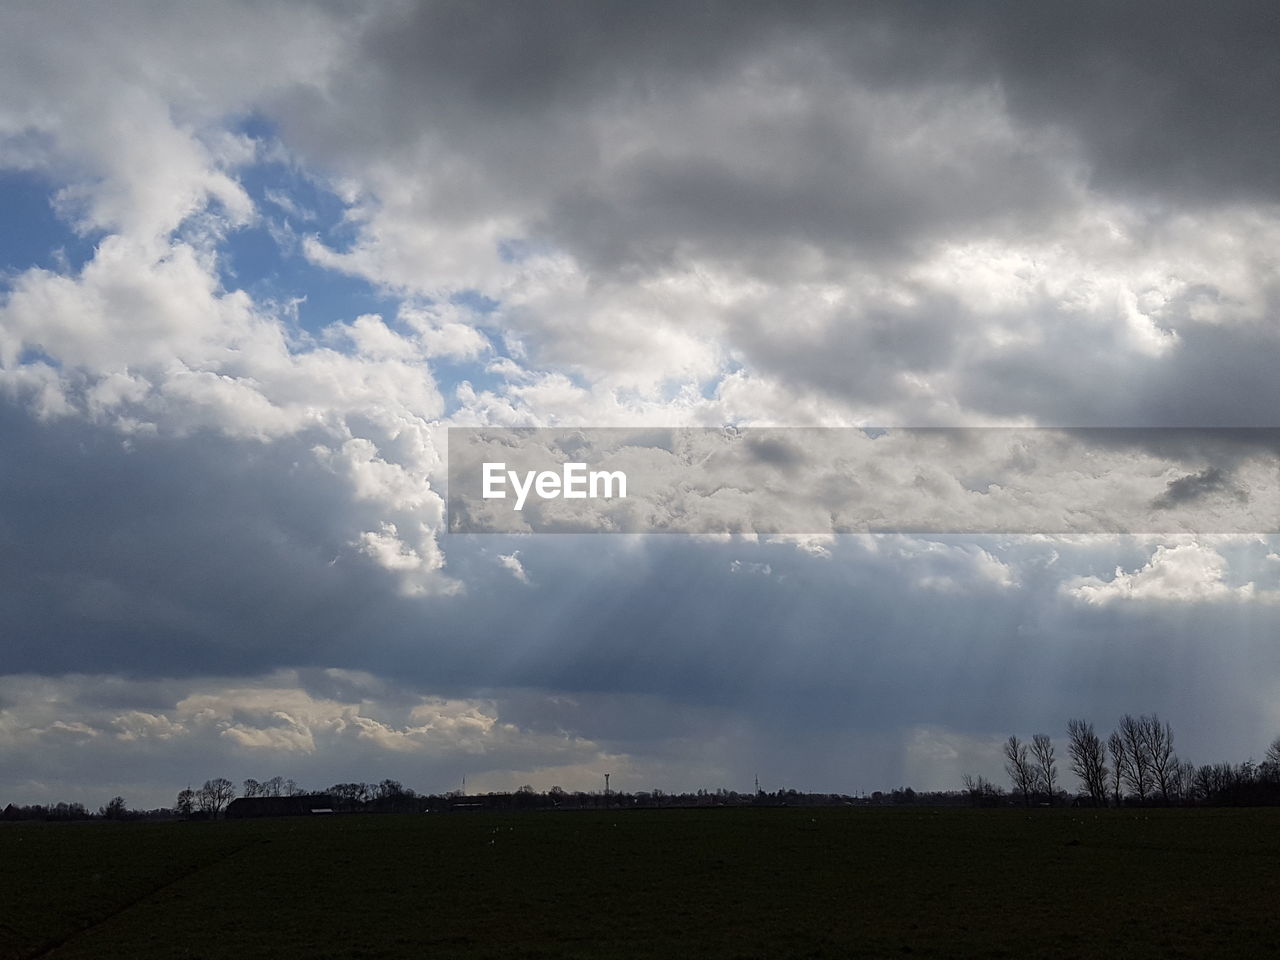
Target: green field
x=675 y=883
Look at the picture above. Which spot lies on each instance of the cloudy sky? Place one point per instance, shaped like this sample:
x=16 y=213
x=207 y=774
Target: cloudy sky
x=256 y=257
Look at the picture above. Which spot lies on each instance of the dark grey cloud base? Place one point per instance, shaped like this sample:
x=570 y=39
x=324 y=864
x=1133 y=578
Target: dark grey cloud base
x=1171 y=98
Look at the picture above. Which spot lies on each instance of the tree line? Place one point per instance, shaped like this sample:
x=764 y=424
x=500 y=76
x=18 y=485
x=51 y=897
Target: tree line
x=113 y=809
x=391 y=796
x=1135 y=765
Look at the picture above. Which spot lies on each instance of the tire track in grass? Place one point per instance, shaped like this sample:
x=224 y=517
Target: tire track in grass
x=50 y=948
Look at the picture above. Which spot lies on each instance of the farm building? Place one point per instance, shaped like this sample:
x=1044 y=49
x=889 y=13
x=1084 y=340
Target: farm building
x=303 y=805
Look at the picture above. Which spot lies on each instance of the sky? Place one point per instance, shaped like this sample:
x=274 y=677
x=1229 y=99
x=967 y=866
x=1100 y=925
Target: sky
x=257 y=257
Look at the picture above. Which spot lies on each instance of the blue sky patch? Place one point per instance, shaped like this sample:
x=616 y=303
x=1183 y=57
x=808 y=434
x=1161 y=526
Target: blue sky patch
x=34 y=235
x=267 y=260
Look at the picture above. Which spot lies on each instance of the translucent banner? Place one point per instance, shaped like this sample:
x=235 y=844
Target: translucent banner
x=862 y=480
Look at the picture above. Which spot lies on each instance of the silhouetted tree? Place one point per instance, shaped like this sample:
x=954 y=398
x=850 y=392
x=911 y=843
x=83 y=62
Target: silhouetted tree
x=1021 y=769
x=1046 y=763
x=252 y=788
x=1137 y=765
x=186 y=802
x=1269 y=773
x=391 y=795
x=214 y=795
x=1088 y=759
x=1186 y=781
x=1157 y=741
x=1204 y=782
x=350 y=795
x=1119 y=763
x=114 y=810
x=389 y=790
x=982 y=792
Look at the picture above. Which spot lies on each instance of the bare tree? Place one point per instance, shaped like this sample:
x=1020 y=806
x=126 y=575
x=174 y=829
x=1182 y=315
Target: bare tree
x=186 y=802
x=1137 y=770
x=350 y=795
x=1157 y=739
x=273 y=787
x=1205 y=782
x=1269 y=768
x=982 y=792
x=1046 y=763
x=393 y=795
x=389 y=790
x=214 y=795
x=1213 y=781
x=1021 y=769
x=1088 y=759
x=252 y=788
x=1119 y=765
x=1187 y=781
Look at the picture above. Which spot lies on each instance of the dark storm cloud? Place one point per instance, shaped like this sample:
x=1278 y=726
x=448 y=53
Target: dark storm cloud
x=526 y=96
x=1176 y=97
x=170 y=556
x=778 y=186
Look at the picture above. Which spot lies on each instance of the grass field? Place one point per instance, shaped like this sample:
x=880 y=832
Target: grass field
x=676 y=883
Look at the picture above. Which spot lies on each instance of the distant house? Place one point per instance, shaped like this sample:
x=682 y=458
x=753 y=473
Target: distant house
x=303 y=805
